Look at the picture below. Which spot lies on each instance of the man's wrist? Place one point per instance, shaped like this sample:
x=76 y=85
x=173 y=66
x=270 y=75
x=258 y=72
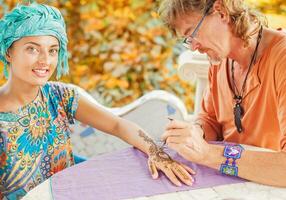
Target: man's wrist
x=213 y=157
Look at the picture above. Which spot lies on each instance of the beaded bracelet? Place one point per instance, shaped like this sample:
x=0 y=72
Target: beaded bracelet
x=231 y=152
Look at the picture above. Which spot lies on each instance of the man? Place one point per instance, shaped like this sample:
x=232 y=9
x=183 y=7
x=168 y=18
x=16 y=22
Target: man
x=245 y=102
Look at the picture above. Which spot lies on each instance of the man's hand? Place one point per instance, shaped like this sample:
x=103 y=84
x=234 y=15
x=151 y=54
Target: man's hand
x=187 y=140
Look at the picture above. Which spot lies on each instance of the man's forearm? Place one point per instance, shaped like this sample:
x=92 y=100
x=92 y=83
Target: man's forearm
x=210 y=131
x=257 y=166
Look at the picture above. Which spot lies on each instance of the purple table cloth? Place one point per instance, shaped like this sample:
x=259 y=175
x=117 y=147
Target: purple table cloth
x=124 y=174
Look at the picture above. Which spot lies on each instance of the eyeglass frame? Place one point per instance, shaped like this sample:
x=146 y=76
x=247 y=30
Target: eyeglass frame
x=195 y=32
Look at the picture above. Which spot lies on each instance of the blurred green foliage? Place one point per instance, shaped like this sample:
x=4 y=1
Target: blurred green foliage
x=119 y=49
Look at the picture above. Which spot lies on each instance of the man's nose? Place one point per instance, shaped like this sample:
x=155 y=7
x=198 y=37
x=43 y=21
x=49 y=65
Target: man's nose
x=195 y=45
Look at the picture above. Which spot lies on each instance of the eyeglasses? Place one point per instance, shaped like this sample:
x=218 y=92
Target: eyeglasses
x=187 y=41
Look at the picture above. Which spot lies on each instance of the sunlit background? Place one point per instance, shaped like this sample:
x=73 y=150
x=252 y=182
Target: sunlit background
x=119 y=49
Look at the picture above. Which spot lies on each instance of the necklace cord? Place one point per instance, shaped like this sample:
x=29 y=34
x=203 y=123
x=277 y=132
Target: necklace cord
x=238 y=110
x=238 y=96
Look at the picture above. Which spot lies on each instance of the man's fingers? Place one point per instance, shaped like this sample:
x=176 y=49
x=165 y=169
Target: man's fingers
x=173 y=132
x=176 y=139
x=182 y=149
x=175 y=124
x=153 y=169
x=174 y=146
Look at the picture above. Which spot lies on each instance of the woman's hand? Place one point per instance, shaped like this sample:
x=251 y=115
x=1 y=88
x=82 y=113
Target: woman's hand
x=160 y=160
x=175 y=171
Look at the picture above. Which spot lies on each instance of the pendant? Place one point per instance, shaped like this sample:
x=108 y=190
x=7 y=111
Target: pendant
x=238 y=112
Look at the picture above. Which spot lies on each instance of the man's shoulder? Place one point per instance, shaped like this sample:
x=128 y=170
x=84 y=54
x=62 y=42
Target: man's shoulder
x=278 y=43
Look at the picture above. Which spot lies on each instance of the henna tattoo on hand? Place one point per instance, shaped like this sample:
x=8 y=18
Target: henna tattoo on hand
x=146 y=138
x=182 y=173
x=156 y=152
x=151 y=168
x=157 y=155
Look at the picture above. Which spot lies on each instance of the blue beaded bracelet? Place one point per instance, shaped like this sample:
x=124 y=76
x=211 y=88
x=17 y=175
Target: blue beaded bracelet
x=231 y=152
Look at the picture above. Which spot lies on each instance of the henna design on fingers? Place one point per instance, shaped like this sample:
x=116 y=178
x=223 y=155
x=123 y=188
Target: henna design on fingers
x=183 y=174
x=151 y=167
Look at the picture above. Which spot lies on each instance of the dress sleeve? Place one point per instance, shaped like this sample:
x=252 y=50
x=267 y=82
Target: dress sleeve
x=66 y=98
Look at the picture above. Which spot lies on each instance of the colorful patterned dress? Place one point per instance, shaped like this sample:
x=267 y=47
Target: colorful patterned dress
x=35 y=140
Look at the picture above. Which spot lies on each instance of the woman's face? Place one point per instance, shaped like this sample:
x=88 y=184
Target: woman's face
x=33 y=59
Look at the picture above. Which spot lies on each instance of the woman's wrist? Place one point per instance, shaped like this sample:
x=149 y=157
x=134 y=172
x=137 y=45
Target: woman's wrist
x=150 y=147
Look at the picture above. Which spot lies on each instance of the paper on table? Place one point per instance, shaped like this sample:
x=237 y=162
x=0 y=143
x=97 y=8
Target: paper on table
x=124 y=174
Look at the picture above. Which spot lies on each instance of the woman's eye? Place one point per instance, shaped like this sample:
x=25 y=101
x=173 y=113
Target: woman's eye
x=32 y=50
x=54 y=52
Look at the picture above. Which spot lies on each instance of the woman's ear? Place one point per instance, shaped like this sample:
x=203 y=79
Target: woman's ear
x=8 y=55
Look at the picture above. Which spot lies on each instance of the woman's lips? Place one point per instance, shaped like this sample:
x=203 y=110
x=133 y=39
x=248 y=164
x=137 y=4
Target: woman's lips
x=41 y=72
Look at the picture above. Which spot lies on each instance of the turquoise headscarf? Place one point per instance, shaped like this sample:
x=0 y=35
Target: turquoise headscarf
x=34 y=20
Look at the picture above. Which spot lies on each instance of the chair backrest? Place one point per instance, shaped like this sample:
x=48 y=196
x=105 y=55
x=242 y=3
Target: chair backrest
x=193 y=66
x=150 y=112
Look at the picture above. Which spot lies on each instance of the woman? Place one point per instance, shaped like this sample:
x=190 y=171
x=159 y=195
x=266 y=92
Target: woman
x=35 y=114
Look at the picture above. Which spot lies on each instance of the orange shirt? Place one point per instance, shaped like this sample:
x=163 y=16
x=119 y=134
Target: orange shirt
x=264 y=101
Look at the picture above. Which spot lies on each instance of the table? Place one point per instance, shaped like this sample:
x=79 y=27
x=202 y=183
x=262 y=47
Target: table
x=234 y=191
x=239 y=190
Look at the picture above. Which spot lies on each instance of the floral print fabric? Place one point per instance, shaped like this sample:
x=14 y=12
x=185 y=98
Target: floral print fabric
x=35 y=140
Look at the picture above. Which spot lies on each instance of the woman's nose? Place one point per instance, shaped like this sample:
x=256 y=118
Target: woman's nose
x=43 y=58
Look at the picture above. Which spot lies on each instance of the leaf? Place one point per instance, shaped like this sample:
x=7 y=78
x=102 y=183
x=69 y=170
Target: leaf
x=160 y=40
